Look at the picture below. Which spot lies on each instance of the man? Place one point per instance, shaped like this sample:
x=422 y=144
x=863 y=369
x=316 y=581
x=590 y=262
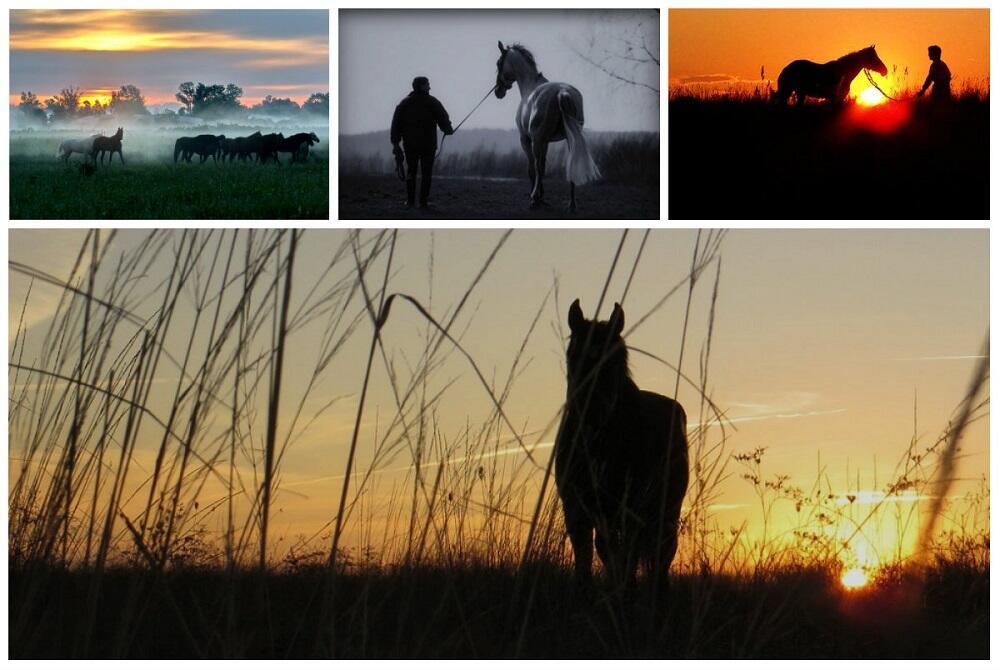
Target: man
x=415 y=122
x=939 y=75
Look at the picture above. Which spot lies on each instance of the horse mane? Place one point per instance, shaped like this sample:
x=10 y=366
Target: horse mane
x=853 y=54
x=526 y=54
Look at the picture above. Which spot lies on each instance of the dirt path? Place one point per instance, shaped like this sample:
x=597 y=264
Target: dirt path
x=458 y=198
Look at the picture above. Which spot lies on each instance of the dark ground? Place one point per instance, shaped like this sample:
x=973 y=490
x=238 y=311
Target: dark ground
x=382 y=197
x=748 y=159
x=474 y=613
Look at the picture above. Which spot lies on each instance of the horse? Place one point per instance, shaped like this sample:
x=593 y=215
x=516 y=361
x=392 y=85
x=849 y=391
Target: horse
x=268 y=147
x=621 y=459
x=111 y=144
x=298 y=145
x=831 y=80
x=548 y=112
x=241 y=147
x=69 y=147
x=204 y=145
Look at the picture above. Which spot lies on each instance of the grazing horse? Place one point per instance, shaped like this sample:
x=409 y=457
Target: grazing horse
x=548 y=112
x=204 y=145
x=831 y=80
x=621 y=458
x=298 y=145
x=112 y=145
x=69 y=147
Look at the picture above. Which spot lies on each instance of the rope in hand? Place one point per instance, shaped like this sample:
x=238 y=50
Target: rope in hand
x=879 y=88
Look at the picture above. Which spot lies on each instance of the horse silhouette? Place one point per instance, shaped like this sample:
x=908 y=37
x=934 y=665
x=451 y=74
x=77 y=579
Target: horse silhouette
x=621 y=459
x=111 y=145
x=298 y=145
x=548 y=112
x=204 y=146
x=269 y=146
x=830 y=80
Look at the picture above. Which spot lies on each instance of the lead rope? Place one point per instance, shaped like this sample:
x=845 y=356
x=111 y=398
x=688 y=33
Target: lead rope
x=879 y=88
x=478 y=105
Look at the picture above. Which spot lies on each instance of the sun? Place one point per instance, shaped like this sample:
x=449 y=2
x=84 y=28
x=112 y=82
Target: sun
x=855 y=578
x=870 y=97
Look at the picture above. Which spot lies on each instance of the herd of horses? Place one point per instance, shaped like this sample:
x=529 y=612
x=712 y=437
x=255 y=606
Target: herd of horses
x=257 y=147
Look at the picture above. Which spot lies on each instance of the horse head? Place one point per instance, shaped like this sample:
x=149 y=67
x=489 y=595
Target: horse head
x=313 y=139
x=596 y=352
x=872 y=61
x=120 y=134
x=504 y=81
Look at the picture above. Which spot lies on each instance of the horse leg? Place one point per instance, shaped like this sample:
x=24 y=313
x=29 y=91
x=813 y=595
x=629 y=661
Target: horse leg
x=526 y=148
x=538 y=151
x=121 y=156
x=572 y=197
x=581 y=537
x=800 y=98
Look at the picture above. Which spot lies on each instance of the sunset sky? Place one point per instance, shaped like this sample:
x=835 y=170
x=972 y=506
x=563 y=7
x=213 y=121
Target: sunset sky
x=277 y=52
x=720 y=46
x=831 y=348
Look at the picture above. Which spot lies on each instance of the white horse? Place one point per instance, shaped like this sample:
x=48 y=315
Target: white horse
x=548 y=112
x=70 y=147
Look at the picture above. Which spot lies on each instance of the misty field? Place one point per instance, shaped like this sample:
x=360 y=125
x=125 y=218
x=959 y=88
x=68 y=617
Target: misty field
x=162 y=382
x=150 y=186
x=741 y=157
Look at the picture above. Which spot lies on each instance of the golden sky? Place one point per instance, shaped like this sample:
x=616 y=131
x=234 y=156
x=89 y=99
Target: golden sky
x=277 y=52
x=831 y=348
x=722 y=45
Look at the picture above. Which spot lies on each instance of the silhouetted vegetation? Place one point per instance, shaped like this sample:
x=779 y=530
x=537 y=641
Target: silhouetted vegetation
x=163 y=551
x=742 y=157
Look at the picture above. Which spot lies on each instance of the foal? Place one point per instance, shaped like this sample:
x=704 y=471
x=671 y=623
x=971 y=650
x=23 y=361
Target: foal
x=621 y=458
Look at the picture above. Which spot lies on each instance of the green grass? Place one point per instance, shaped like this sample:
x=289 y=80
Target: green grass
x=45 y=188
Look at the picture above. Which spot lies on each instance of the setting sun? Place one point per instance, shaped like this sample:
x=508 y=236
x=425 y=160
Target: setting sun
x=870 y=97
x=855 y=578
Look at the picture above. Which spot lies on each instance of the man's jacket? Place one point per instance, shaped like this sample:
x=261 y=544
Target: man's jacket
x=416 y=120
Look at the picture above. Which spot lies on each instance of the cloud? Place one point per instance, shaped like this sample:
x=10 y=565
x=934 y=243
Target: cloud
x=707 y=79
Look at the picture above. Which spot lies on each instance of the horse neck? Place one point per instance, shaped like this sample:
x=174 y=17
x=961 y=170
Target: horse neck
x=528 y=78
x=851 y=65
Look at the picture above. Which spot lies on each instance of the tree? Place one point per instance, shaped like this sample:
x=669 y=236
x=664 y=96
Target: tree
x=66 y=105
x=128 y=101
x=211 y=100
x=30 y=109
x=276 y=106
x=630 y=57
x=318 y=103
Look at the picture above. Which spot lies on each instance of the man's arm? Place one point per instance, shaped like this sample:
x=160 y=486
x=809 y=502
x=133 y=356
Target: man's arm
x=395 y=132
x=441 y=116
x=927 y=82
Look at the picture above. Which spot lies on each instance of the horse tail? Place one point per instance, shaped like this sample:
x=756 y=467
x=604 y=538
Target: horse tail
x=580 y=165
x=59 y=151
x=177 y=149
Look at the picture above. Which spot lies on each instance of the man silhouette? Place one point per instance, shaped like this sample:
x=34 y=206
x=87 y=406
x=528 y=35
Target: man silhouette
x=939 y=75
x=415 y=122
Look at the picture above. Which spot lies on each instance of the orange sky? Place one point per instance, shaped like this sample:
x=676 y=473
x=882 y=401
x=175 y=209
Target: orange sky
x=735 y=43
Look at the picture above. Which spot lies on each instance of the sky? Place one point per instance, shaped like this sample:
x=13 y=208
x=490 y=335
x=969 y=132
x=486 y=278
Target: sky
x=277 y=52
x=724 y=45
x=381 y=51
x=831 y=348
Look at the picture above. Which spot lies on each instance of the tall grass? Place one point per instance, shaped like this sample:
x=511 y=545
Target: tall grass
x=159 y=385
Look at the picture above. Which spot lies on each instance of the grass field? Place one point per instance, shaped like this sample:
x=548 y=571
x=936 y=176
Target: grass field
x=740 y=157
x=485 y=612
x=151 y=186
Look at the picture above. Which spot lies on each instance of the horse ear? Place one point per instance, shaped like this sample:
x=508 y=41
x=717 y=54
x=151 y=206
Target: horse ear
x=617 y=322
x=500 y=45
x=576 y=318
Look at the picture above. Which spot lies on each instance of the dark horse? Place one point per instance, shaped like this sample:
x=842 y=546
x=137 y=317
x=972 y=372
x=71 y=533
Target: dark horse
x=204 y=145
x=621 y=458
x=112 y=145
x=298 y=145
x=831 y=80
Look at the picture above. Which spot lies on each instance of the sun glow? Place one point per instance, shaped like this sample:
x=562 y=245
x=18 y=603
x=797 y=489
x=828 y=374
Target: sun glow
x=870 y=97
x=855 y=578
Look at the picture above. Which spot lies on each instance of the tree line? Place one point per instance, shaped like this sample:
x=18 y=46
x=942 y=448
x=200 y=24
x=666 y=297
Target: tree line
x=197 y=100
